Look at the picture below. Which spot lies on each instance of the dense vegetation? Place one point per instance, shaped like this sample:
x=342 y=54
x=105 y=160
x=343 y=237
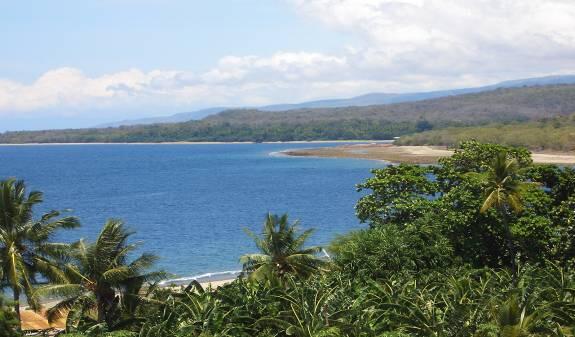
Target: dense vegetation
x=546 y=134
x=212 y=131
x=481 y=245
x=8 y=320
x=371 y=122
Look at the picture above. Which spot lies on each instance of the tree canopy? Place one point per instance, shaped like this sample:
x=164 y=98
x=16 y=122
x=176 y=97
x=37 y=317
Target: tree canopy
x=434 y=259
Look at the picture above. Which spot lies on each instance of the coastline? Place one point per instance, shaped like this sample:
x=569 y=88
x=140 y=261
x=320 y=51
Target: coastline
x=410 y=154
x=203 y=143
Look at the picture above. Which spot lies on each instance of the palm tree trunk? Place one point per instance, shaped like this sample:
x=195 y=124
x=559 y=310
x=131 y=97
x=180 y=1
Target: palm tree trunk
x=101 y=309
x=510 y=243
x=16 y=296
x=104 y=301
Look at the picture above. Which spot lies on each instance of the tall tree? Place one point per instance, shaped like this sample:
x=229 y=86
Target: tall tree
x=25 y=247
x=503 y=192
x=101 y=277
x=282 y=251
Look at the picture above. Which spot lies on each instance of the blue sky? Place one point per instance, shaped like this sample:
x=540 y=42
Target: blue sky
x=112 y=35
x=81 y=63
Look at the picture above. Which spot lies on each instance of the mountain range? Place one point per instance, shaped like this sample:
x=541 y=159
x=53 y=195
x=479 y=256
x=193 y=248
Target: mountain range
x=384 y=121
x=358 y=101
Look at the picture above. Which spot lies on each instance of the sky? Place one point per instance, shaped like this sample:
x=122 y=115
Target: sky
x=69 y=63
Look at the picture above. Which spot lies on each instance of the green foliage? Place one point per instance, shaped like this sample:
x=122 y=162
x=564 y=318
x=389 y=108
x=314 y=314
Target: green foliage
x=434 y=261
x=560 y=180
x=8 y=320
x=390 y=250
x=119 y=333
x=473 y=156
x=222 y=131
x=452 y=200
x=535 y=135
x=400 y=194
x=502 y=189
x=423 y=125
x=431 y=264
x=282 y=252
x=103 y=288
x=446 y=302
x=25 y=250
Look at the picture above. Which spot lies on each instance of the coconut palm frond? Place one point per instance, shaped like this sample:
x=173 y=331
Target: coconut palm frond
x=493 y=199
x=502 y=190
x=101 y=270
x=142 y=263
x=52 y=271
x=116 y=275
x=282 y=251
x=45 y=228
x=60 y=309
x=60 y=290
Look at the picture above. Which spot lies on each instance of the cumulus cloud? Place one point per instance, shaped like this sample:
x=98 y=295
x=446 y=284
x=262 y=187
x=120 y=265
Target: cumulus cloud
x=398 y=46
x=434 y=37
x=248 y=80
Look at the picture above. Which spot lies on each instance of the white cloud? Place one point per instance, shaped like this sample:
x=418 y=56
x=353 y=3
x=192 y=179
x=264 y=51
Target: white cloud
x=483 y=37
x=399 y=45
x=245 y=80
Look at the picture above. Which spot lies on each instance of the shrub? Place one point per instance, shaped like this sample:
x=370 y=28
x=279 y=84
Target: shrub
x=387 y=250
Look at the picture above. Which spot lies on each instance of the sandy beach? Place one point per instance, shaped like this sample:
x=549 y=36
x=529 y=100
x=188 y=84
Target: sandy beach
x=410 y=154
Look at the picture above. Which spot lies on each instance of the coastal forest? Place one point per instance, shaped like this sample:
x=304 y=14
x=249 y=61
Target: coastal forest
x=546 y=134
x=482 y=244
x=442 y=118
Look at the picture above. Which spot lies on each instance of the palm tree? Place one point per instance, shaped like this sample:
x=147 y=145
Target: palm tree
x=513 y=320
x=306 y=312
x=25 y=250
x=503 y=192
x=102 y=280
x=282 y=251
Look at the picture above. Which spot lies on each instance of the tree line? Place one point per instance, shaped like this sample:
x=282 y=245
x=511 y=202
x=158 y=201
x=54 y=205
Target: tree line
x=207 y=131
x=482 y=244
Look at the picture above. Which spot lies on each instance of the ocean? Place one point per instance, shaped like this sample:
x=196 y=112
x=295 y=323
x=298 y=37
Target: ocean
x=189 y=204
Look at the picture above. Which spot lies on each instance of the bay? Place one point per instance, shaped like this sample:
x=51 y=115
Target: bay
x=189 y=203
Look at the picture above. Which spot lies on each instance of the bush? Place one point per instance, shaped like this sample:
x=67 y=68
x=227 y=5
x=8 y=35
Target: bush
x=8 y=320
x=384 y=251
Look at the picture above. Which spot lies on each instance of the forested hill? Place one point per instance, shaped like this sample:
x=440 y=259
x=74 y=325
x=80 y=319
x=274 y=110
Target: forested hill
x=527 y=103
x=371 y=122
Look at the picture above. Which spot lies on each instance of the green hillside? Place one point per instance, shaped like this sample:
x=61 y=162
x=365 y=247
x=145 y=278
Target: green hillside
x=372 y=122
x=525 y=103
x=557 y=134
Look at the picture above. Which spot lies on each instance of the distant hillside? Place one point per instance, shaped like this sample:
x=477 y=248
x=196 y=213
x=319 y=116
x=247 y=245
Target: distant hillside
x=370 y=122
x=387 y=98
x=556 y=134
x=363 y=100
x=518 y=104
x=177 y=118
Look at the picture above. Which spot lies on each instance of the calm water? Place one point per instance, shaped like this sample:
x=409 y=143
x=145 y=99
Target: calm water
x=189 y=203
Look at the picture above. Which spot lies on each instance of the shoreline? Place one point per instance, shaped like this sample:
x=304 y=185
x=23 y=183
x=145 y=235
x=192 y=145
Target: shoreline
x=32 y=320
x=204 y=143
x=409 y=154
x=176 y=284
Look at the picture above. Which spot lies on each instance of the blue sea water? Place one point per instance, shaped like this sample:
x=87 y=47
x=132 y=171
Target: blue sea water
x=189 y=203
